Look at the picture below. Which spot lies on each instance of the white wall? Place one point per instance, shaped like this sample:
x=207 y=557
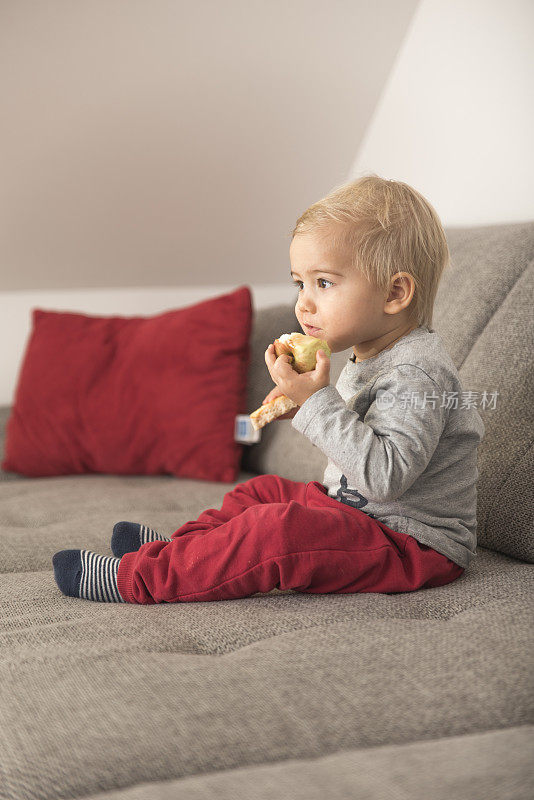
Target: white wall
x=456 y=116
x=175 y=143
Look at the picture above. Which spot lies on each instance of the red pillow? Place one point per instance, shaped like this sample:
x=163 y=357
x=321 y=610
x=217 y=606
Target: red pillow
x=133 y=395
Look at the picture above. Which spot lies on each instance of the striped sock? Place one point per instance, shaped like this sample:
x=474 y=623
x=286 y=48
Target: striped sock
x=82 y=573
x=129 y=536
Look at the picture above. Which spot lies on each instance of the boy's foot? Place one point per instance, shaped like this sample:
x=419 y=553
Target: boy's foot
x=129 y=536
x=81 y=573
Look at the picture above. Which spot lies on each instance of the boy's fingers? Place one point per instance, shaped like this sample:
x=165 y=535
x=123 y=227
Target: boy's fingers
x=322 y=359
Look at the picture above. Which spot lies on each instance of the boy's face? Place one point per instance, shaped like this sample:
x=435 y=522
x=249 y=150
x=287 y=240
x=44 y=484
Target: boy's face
x=337 y=299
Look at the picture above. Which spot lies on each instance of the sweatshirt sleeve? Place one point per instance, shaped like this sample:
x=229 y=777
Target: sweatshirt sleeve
x=386 y=451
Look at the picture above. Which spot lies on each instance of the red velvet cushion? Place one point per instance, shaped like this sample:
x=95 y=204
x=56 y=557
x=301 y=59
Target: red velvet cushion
x=133 y=395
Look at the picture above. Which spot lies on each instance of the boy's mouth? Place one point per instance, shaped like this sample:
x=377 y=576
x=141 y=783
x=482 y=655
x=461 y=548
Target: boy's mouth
x=311 y=330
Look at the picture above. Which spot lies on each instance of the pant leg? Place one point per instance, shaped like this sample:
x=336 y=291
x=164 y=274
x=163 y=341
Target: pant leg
x=310 y=544
x=257 y=490
x=428 y=567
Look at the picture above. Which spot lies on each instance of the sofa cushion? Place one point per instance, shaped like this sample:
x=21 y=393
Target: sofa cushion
x=96 y=697
x=492 y=764
x=133 y=395
x=215 y=686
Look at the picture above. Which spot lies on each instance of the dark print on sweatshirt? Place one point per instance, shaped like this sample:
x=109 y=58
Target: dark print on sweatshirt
x=351 y=497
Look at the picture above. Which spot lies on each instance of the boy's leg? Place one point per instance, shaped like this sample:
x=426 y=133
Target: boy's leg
x=129 y=536
x=82 y=573
x=309 y=544
x=256 y=491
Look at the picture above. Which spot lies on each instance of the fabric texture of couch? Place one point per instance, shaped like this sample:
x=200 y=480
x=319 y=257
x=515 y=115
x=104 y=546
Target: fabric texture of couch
x=368 y=696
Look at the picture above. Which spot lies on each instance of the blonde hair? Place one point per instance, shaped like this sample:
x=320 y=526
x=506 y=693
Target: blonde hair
x=387 y=227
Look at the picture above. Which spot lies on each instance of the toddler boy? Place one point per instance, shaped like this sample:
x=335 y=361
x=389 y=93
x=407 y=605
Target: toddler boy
x=396 y=510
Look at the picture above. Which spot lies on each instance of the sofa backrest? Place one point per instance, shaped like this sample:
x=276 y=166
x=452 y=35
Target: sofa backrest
x=5 y=412
x=484 y=314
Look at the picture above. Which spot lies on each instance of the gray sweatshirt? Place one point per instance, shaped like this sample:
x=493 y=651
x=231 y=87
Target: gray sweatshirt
x=401 y=441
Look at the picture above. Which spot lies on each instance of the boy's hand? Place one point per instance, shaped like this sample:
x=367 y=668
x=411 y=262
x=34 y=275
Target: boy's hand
x=273 y=394
x=298 y=387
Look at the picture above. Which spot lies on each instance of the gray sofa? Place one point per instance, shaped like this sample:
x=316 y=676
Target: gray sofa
x=374 y=696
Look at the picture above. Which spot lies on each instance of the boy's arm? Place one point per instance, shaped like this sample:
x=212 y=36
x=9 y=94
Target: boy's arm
x=386 y=452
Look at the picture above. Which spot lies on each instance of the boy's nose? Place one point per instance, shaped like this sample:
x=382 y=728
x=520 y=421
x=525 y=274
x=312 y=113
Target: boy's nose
x=305 y=304
x=306 y=310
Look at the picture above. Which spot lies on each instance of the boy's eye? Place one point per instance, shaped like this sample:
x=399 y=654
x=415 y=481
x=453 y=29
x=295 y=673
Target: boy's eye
x=319 y=280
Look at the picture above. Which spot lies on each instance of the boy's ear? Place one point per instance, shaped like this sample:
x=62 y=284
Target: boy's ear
x=401 y=291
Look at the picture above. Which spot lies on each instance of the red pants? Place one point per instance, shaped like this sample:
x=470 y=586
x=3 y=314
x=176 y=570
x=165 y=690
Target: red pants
x=270 y=533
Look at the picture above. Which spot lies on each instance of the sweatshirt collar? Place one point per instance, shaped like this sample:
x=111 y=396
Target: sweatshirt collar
x=420 y=331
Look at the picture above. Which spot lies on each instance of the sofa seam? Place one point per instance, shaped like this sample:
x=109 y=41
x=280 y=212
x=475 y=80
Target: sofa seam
x=488 y=321
x=504 y=484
